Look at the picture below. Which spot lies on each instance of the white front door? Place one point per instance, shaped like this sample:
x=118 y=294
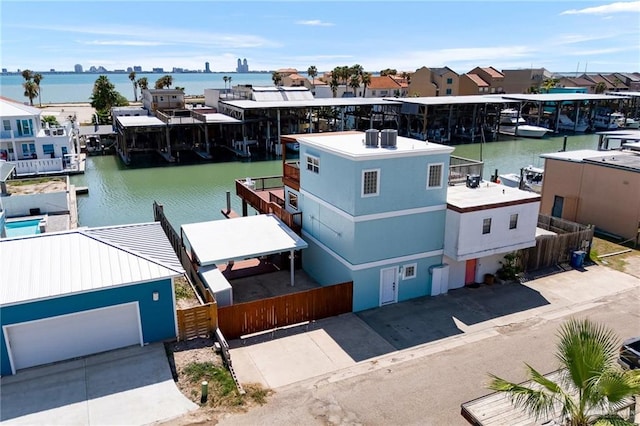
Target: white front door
x=388 y=286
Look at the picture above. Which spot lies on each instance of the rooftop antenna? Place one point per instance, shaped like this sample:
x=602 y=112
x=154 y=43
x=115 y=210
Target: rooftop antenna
x=578 y=68
x=585 y=67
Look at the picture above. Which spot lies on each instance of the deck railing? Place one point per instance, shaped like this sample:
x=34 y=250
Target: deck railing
x=247 y=192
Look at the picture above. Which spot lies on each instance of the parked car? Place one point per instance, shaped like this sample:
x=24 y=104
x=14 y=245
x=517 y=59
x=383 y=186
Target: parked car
x=630 y=353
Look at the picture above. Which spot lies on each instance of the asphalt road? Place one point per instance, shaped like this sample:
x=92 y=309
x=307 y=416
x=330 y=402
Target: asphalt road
x=428 y=390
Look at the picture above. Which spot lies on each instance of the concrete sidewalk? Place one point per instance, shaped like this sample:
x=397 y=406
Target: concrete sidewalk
x=419 y=327
x=128 y=386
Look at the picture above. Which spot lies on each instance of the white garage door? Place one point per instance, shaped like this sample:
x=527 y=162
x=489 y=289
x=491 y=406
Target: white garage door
x=69 y=336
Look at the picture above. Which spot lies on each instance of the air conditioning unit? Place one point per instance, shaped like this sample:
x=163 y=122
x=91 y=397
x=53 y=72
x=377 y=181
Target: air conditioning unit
x=473 y=181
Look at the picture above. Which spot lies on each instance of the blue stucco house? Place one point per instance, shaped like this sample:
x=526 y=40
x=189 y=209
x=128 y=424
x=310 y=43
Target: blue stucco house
x=374 y=207
x=85 y=291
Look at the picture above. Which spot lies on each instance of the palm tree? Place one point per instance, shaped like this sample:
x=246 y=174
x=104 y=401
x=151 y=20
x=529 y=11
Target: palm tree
x=143 y=84
x=334 y=84
x=312 y=72
x=37 y=78
x=27 y=75
x=226 y=79
x=600 y=87
x=354 y=83
x=132 y=77
x=30 y=90
x=230 y=82
x=595 y=386
x=366 y=80
x=164 y=81
x=549 y=84
x=277 y=78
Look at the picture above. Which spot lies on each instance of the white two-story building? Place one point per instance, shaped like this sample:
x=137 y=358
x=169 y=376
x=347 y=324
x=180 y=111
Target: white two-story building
x=34 y=147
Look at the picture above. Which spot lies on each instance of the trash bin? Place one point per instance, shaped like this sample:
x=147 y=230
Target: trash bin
x=577 y=258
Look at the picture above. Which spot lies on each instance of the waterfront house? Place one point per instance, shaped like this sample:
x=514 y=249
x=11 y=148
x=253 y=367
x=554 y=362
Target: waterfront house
x=162 y=99
x=576 y=82
x=296 y=80
x=473 y=84
x=597 y=188
x=382 y=86
x=482 y=80
x=485 y=221
x=599 y=78
x=632 y=81
x=105 y=288
x=374 y=208
x=35 y=147
x=526 y=80
x=434 y=82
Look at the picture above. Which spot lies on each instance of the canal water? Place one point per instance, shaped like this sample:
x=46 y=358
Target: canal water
x=195 y=193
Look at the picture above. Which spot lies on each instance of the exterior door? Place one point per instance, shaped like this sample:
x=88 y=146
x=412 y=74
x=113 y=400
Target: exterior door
x=68 y=336
x=388 y=286
x=558 y=203
x=470 y=272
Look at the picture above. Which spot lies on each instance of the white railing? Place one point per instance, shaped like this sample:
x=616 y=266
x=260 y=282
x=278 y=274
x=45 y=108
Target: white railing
x=46 y=165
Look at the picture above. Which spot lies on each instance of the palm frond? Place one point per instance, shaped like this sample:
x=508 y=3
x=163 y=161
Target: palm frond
x=538 y=403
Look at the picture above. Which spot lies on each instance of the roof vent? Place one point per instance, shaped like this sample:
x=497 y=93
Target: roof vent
x=371 y=138
x=473 y=181
x=388 y=138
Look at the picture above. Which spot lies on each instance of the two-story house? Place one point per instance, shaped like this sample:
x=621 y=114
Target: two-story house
x=485 y=221
x=374 y=207
x=35 y=147
x=296 y=80
x=434 y=82
x=482 y=80
x=382 y=87
x=162 y=99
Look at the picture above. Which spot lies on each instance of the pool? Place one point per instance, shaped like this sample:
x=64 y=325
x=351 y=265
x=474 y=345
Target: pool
x=20 y=228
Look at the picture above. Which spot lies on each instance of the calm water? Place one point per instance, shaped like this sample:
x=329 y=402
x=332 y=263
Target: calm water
x=58 y=88
x=195 y=193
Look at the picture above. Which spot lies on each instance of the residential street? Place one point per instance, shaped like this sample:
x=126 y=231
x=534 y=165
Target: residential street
x=428 y=387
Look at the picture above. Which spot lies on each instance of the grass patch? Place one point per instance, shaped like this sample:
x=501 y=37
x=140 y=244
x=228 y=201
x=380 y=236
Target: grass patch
x=601 y=246
x=222 y=389
x=33 y=181
x=183 y=288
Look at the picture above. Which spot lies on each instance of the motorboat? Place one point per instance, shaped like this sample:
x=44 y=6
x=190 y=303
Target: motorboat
x=565 y=123
x=512 y=124
x=604 y=119
x=624 y=122
x=530 y=179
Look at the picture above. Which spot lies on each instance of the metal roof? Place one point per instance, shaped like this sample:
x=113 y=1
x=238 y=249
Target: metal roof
x=558 y=97
x=627 y=160
x=454 y=100
x=216 y=117
x=60 y=264
x=318 y=102
x=140 y=121
x=146 y=239
x=10 y=108
x=220 y=241
x=6 y=170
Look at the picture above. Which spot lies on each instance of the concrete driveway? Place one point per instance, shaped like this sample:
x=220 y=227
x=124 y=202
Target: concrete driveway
x=131 y=386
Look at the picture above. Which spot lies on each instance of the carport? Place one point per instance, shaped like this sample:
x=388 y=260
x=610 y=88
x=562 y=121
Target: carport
x=221 y=241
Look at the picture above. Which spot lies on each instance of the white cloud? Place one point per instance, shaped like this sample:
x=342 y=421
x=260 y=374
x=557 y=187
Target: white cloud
x=619 y=7
x=122 y=43
x=315 y=23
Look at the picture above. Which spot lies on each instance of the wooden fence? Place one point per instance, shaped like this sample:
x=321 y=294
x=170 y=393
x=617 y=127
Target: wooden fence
x=554 y=249
x=267 y=314
x=250 y=196
x=197 y=321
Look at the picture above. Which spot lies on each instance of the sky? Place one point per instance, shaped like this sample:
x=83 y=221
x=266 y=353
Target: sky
x=561 y=36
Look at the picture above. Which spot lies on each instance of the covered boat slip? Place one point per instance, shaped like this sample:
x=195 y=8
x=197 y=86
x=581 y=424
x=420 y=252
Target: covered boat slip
x=229 y=240
x=496 y=409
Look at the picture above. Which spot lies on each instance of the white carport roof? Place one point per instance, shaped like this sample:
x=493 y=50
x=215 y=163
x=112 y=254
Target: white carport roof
x=216 y=117
x=221 y=241
x=139 y=121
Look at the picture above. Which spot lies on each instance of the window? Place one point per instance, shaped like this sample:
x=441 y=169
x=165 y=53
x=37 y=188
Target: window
x=449 y=91
x=6 y=125
x=47 y=149
x=293 y=200
x=370 y=182
x=313 y=164
x=161 y=98
x=28 y=148
x=409 y=271
x=25 y=127
x=513 y=221
x=486 y=225
x=449 y=81
x=434 y=176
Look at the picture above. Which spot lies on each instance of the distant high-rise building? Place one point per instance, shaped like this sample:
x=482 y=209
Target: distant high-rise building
x=137 y=68
x=4 y=70
x=129 y=69
x=52 y=70
x=242 y=65
x=77 y=68
x=206 y=67
x=157 y=69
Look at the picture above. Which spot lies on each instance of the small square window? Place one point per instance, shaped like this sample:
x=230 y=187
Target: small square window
x=313 y=164
x=409 y=271
x=293 y=200
x=449 y=91
x=513 y=221
x=434 y=176
x=370 y=182
x=486 y=226
x=449 y=81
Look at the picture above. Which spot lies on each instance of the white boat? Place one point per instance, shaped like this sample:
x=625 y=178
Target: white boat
x=511 y=123
x=531 y=176
x=603 y=119
x=624 y=122
x=565 y=123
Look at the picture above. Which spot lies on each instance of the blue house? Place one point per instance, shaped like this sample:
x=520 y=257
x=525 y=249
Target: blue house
x=81 y=292
x=374 y=207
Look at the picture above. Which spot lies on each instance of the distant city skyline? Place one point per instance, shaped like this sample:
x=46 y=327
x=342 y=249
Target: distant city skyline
x=561 y=36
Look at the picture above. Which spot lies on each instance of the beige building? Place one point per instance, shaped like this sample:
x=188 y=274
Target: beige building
x=473 y=84
x=600 y=188
x=434 y=82
x=296 y=80
x=381 y=87
x=527 y=80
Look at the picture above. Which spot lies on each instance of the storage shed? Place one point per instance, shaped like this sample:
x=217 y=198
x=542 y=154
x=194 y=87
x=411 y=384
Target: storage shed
x=81 y=292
